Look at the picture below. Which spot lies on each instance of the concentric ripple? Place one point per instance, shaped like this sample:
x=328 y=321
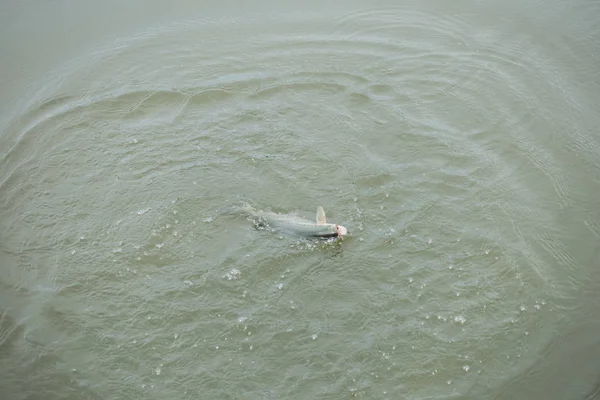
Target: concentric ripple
x=434 y=140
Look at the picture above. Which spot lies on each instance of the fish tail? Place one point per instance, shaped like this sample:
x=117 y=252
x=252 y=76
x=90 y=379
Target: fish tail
x=244 y=208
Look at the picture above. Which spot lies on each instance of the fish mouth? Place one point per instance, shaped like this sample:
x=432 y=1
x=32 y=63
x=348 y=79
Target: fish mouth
x=328 y=235
x=341 y=230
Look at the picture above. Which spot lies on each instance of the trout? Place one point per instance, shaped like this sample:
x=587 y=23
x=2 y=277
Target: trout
x=292 y=224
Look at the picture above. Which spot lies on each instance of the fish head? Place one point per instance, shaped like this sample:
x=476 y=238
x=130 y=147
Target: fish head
x=341 y=231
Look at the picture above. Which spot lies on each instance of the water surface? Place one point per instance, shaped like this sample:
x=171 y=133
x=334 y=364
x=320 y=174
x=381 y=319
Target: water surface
x=457 y=142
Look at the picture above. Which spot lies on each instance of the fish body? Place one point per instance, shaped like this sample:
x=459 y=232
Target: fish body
x=292 y=224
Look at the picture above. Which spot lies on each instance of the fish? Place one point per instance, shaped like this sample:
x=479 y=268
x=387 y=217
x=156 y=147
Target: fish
x=293 y=224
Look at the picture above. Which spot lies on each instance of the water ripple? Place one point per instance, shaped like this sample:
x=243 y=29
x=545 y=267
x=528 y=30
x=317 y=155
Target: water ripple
x=434 y=139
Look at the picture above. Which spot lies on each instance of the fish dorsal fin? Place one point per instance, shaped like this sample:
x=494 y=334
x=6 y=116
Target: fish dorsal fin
x=321 y=215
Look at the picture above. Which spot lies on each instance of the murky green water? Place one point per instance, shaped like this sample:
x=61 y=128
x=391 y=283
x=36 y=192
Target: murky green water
x=457 y=141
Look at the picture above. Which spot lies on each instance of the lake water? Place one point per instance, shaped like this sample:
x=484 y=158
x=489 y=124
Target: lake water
x=457 y=141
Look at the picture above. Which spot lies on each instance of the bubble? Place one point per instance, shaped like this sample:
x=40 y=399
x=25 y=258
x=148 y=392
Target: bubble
x=233 y=274
x=157 y=370
x=314 y=337
x=466 y=368
x=460 y=319
x=280 y=286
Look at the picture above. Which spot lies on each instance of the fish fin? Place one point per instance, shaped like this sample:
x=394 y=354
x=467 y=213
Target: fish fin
x=321 y=215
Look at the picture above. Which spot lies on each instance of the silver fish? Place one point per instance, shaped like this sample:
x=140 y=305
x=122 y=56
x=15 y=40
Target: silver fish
x=292 y=224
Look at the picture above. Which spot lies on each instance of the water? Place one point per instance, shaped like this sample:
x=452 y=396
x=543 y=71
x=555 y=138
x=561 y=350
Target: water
x=457 y=142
